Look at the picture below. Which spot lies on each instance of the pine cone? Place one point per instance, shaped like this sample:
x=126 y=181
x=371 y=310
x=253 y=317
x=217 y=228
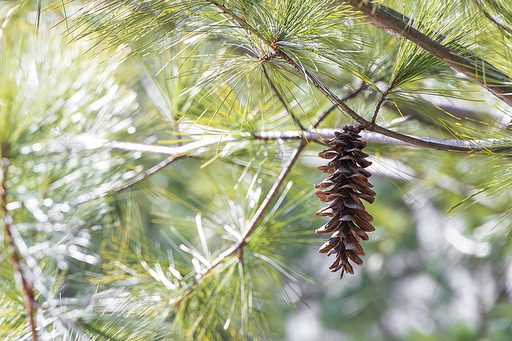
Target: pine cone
x=349 y=179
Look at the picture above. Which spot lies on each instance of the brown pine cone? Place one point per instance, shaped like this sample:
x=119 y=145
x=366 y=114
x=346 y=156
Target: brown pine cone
x=349 y=179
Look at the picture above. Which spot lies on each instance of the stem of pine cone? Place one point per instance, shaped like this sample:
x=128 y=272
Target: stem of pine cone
x=28 y=296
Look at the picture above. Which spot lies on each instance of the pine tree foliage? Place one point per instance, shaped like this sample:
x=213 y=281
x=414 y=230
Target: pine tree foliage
x=158 y=159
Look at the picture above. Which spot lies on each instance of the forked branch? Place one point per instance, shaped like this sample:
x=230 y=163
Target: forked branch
x=328 y=93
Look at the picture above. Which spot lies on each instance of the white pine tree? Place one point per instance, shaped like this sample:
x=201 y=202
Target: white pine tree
x=158 y=161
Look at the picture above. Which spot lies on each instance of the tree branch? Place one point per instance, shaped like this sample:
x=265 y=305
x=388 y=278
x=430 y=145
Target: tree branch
x=346 y=98
x=238 y=246
x=379 y=104
x=28 y=296
x=395 y=23
x=328 y=93
x=503 y=145
x=175 y=152
x=366 y=124
x=161 y=165
x=486 y=146
x=438 y=50
x=387 y=15
x=261 y=210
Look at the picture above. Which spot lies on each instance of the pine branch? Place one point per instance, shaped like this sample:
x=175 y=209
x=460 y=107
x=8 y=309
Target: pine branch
x=326 y=113
x=420 y=142
x=28 y=296
x=486 y=146
x=477 y=69
x=329 y=94
x=161 y=165
x=503 y=145
x=238 y=246
x=438 y=144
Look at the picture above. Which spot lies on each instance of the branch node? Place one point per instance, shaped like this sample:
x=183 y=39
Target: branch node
x=268 y=56
x=240 y=253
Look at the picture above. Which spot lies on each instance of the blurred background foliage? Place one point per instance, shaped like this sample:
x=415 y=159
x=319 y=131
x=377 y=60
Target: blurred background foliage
x=133 y=161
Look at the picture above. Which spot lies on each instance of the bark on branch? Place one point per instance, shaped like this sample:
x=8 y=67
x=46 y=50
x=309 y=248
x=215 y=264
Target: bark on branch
x=503 y=145
x=397 y=24
x=28 y=296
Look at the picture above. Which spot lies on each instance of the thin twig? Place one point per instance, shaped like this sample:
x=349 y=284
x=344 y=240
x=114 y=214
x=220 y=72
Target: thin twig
x=477 y=69
x=261 y=210
x=379 y=104
x=159 y=166
x=174 y=152
x=283 y=103
x=238 y=246
x=346 y=98
x=28 y=296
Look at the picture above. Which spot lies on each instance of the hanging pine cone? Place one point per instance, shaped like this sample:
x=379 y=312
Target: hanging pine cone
x=349 y=179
